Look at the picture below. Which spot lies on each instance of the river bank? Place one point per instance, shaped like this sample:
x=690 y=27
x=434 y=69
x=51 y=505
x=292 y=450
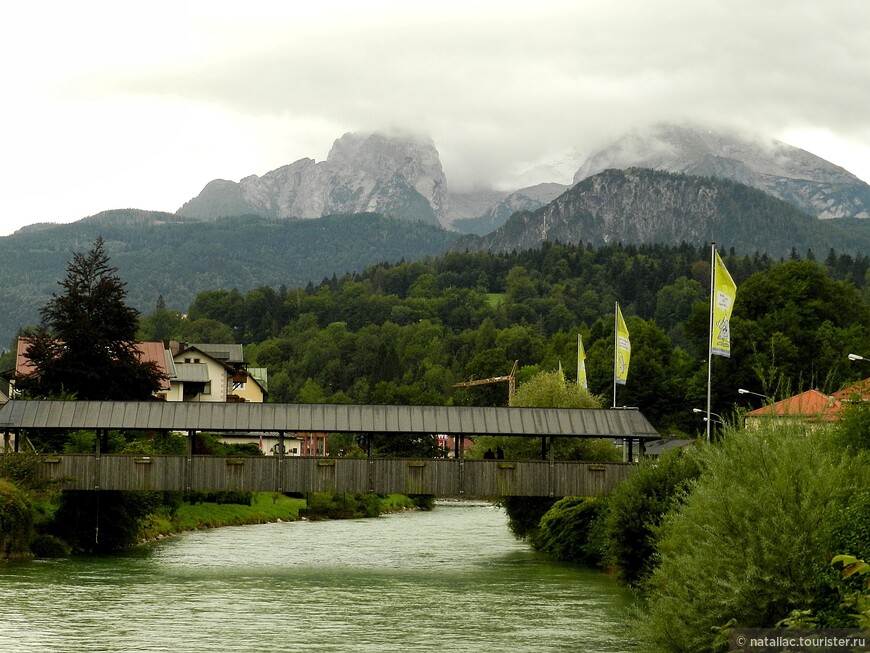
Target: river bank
x=265 y=507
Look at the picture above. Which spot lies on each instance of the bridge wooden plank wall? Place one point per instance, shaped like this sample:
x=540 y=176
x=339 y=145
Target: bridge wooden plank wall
x=445 y=478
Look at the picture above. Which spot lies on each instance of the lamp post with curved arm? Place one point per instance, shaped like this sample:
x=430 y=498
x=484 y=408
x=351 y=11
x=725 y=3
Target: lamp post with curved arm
x=719 y=418
x=744 y=391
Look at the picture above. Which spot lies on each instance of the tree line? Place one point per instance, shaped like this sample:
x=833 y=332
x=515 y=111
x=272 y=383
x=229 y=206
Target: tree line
x=407 y=332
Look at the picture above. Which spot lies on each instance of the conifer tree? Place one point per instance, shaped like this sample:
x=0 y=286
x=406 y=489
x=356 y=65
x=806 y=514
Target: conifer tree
x=86 y=344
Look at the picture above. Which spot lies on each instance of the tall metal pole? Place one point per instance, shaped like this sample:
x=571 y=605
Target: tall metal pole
x=615 y=347
x=710 y=341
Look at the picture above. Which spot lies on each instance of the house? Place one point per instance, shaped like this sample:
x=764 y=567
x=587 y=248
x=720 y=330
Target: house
x=253 y=387
x=189 y=372
x=203 y=372
x=268 y=442
x=213 y=372
x=812 y=406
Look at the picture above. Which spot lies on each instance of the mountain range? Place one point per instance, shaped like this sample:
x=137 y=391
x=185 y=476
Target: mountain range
x=402 y=176
x=640 y=205
x=379 y=198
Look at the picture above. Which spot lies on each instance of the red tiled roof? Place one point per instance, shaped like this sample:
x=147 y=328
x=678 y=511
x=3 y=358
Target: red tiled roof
x=23 y=366
x=148 y=352
x=856 y=392
x=810 y=404
x=155 y=352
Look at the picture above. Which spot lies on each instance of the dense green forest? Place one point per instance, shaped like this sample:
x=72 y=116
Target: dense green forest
x=405 y=333
x=159 y=254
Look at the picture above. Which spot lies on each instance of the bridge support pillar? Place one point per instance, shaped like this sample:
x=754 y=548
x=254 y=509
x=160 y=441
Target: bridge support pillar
x=370 y=481
x=98 y=453
x=279 y=481
x=552 y=467
x=188 y=461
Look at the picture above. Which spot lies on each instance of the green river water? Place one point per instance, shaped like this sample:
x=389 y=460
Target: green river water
x=453 y=579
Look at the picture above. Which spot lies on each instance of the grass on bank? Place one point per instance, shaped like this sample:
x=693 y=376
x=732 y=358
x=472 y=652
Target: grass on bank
x=265 y=507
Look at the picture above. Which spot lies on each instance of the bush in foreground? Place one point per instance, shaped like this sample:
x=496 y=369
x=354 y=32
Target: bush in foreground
x=752 y=543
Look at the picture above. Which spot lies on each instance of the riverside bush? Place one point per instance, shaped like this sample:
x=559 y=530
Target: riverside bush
x=16 y=521
x=49 y=546
x=745 y=547
x=23 y=469
x=525 y=513
x=322 y=505
x=99 y=522
x=637 y=506
x=565 y=531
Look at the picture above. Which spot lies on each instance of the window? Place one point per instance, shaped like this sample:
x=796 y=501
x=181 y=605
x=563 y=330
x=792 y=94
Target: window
x=206 y=388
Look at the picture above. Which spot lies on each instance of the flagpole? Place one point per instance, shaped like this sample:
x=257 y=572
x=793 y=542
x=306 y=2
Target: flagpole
x=578 y=360
x=710 y=344
x=615 y=347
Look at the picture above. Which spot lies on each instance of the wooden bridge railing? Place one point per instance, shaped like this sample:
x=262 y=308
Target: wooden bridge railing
x=440 y=477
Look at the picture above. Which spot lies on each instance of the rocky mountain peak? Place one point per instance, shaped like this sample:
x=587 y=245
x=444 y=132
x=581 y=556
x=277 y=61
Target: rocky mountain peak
x=396 y=175
x=814 y=185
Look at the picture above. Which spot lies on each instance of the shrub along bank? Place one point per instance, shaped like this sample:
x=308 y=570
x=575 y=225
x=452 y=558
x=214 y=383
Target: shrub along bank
x=49 y=523
x=737 y=534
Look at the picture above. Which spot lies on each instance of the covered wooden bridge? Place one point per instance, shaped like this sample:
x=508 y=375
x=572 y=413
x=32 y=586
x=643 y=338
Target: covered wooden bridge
x=441 y=477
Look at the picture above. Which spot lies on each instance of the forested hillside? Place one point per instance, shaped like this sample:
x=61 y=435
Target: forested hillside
x=162 y=255
x=405 y=333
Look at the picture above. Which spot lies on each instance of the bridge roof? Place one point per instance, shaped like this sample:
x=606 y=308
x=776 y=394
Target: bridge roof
x=331 y=418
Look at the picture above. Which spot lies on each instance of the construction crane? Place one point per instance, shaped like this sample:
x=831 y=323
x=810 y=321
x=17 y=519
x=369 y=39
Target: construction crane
x=510 y=378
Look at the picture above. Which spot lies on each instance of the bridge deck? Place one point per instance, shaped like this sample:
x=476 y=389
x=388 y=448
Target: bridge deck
x=471 y=478
x=440 y=477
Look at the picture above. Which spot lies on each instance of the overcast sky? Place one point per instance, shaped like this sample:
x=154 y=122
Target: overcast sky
x=116 y=105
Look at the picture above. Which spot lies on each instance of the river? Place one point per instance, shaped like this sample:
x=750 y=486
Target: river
x=453 y=579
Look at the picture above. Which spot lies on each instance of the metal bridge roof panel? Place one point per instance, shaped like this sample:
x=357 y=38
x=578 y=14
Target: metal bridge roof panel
x=266 y=420
x=321 y=418
x=343 y=419
x=287 y=416
x=232 y=420
x=527 y=424
x=116 y=413
x=129 y=413
x=455 y=420
x=365 y=419
x=503 y=421
x=46 y=418
x=166 y=417
x=405 y=419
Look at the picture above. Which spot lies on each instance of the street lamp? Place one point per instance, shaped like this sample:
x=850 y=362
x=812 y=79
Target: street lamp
x=856 y=357
x=744 y=391
x=719 y=418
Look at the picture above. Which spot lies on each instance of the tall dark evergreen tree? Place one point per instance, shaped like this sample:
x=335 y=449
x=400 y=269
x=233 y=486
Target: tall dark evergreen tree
x=86 y=344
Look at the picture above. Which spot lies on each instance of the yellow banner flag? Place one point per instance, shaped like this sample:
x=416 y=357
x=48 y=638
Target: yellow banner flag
x=623 y=350
x=724 y=294
x=581 y=364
